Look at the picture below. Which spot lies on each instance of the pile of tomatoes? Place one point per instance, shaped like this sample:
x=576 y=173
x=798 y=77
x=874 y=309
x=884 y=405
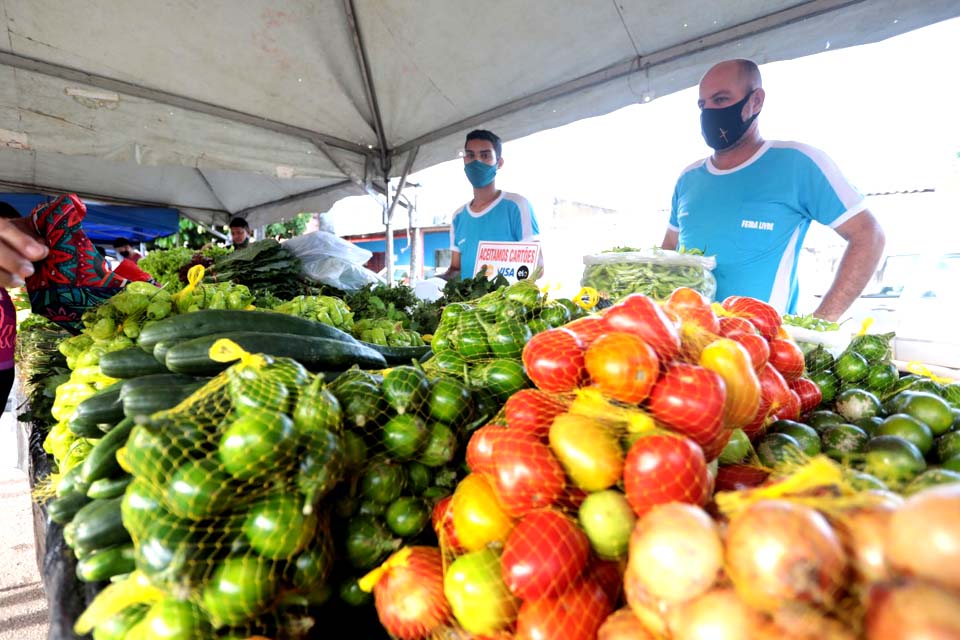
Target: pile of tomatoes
x=629 y=412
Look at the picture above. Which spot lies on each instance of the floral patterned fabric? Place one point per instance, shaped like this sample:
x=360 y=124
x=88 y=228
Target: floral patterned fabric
x=74 y=276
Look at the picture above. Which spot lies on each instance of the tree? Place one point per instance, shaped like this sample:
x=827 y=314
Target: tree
x=191 y=235
x=289 y=228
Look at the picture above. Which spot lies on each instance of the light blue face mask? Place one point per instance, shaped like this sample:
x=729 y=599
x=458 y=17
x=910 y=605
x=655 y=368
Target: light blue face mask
x=480 y=174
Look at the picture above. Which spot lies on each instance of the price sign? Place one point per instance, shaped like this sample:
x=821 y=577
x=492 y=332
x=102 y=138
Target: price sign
x=513 y=260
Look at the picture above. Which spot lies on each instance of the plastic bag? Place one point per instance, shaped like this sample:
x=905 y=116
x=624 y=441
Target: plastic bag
x=339 y=273
x=654 y=272
x=321 y=244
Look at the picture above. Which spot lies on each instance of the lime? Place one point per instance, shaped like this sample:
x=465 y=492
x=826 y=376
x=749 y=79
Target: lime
x=383 y=482
x=404 y=435
x=440 y=447
x=257 y=443
x=776 y=448
x=276 y=527
x=842 y=440
x=948 y=446
x=174 y=619
x=828 y=383
x=823 y=418
x=882 y=376
x=854 y=404
x=953 y=464
x=851 y=366
x=239 y=589
x=930 y=478
x=818 y=360
x=870 y=424
x=803 y=434
x=449 y=401
x=909 y=428
x=872 y=347
x=893 y=460
x=420 y=477
x=407 y=516
x=865 y=482
x=352 y=594
x=930 y=409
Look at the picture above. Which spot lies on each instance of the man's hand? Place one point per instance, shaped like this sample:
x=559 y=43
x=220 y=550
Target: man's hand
x=865 y=242
x=17 y=251
x=670 y=240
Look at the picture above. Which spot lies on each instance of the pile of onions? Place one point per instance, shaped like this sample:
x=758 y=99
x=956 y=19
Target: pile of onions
x=924 y=536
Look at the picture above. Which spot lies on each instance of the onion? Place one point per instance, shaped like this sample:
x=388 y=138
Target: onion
x=924 y=536
x=863 y=533
x=912 y=611
x=778 y=551
x=803 y=622
x=623 y=625
x=652 y=614
x=675 y=552
x=718 y=615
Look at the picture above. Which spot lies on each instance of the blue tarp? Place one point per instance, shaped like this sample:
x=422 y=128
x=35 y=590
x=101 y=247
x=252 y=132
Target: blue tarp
x=106 y=222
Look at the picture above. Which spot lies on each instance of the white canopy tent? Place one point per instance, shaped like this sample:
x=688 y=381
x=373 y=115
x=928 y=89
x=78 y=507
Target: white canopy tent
x=264 y=108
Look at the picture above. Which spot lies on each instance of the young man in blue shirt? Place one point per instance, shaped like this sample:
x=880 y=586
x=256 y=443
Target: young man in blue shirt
x=750 y=203
x=492 y=215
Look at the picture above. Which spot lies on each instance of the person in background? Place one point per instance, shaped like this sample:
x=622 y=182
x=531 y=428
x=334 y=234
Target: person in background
x=125 y=250
x=8 y=326
x=750 y=203
x=239 y=233
x=492 y=215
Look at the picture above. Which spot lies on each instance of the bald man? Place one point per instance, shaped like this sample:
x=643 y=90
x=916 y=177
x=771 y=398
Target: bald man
x=751 y=202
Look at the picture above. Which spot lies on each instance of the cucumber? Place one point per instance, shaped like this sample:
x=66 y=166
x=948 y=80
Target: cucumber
x=160 y=351
x=98 y=525
x=117 y=627
x=316 y=354
x=101 y=462
x=399 y=355
x=129 y=363
x=218 y=321
x=106 y=563
x=70 y=482
x=62 y=510
x=144 y=400
x=102 y=407
x=108 y=487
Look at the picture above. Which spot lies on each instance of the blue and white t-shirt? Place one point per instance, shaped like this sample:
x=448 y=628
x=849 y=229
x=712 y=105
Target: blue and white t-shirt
x=754 y=217
x=509 y=218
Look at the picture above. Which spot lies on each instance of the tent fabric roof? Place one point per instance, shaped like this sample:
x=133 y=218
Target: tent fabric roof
x=106 y=222
x=270 y=107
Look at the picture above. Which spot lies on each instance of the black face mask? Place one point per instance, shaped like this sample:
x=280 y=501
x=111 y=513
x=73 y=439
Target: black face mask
x=722 y=128
x=125 y=253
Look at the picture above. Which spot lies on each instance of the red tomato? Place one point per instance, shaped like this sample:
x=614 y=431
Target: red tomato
x=663 y=467
x=480 y=448
x=526 y=474
x=575 y=614
x=736 y=477
x=690 y=399
x=786 y=358
x=732 y=324
x=442 y=519
x=776 y=401
x=808 y=392
x=409 y=595
x=553 y=360
x=533 y=411
x=588 y=328
x=543 y=555
x=756 y=345
x=692 y=307
x=608 y=574
x=641 y=316
x=623 y=366
x=764 y=317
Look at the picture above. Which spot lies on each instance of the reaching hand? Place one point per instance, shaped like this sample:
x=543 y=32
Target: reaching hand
x=17 y=251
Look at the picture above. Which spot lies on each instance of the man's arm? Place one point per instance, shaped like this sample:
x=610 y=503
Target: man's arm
x=670 y=240
x=865 y=242
x=18 y=249
x=453 y=272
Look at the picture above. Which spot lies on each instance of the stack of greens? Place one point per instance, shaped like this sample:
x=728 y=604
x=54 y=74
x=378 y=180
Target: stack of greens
x=41 y=367
x=265 y=267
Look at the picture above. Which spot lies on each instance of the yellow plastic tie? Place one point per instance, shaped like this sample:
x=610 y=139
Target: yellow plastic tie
x=921 y=370
x=587 y=298
x=226 y=350
x=867 y=323
x=398 y=559
x=720 y=312
x=819 y=472
x=116 y=597
x=194 y=278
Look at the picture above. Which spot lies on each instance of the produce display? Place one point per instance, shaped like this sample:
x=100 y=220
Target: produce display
x=656 y=272
x=667 y=468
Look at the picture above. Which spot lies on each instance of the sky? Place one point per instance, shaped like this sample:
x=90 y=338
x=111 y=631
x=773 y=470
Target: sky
x=887 y=113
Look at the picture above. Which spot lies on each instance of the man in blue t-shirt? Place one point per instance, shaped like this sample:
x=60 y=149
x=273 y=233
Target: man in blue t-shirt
x=750 y=203
x=492 y=215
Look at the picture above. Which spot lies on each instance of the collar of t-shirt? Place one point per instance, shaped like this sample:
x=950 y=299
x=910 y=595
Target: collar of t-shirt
x=743 y=165
x=495 y=202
